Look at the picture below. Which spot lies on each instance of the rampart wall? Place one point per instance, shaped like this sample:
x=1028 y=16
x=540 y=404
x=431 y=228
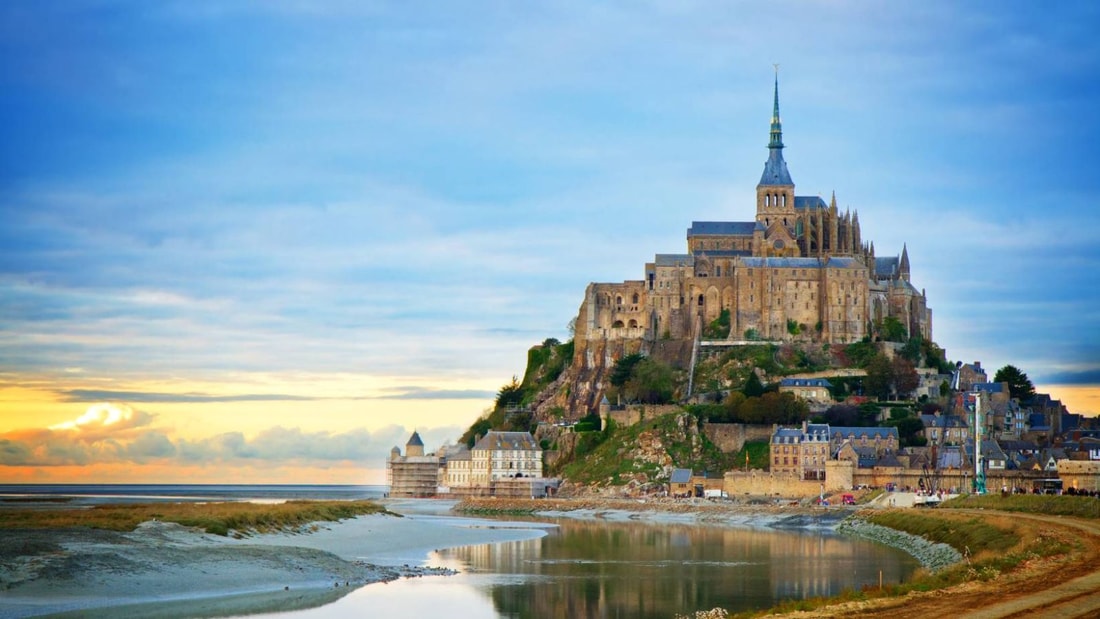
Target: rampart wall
x=731 y=437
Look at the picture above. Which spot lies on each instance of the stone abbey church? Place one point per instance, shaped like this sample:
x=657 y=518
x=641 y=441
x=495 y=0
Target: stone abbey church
x=800 y=271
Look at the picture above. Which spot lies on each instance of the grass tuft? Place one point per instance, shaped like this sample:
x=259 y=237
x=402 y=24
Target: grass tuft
x=214 y=518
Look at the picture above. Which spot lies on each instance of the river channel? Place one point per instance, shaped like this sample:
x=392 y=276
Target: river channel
x=586 y=568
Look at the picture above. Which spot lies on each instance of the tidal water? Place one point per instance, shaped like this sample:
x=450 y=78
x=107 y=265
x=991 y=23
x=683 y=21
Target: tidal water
x=579 y=569
x=598 y=569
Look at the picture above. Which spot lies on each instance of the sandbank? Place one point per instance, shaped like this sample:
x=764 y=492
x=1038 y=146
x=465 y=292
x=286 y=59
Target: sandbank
x=167 y=570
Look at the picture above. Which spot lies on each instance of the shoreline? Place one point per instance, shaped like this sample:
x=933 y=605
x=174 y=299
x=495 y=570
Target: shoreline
x=167 y=570
x=164 y=570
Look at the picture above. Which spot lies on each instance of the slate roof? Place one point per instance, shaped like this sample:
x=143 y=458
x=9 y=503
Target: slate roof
x=414 y=440
x=804 y=382
x=783 y=263
x=988 y=387
x=775 y=169
x=787 y=435
x=722 y=228
x=889 y=459
x=857 y=432
x=950 y=458
x=1037 y=421
x=680 y=476
x=886 y=267
x=809 y=202
x=498 y=441
x=723 y=253
x=673 y=260
x=866 y=457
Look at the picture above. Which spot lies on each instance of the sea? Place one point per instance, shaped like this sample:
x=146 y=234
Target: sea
x=51 y=495
x=578 y=569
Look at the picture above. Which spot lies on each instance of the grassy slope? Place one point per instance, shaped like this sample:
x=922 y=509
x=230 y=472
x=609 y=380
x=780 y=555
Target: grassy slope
x=217 y=518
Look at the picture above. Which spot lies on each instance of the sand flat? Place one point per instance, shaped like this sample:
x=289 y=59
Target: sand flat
x=175 y=567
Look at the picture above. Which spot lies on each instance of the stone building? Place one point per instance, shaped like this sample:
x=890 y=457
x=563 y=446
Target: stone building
x=504 y=464
x=801 y=452
x=880 y=440
x=504 y=455
x=414 y=475
x=800 y=270
x=812 y=389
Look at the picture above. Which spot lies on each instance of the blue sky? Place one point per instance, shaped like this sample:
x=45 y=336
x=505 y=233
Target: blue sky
x=290 y=204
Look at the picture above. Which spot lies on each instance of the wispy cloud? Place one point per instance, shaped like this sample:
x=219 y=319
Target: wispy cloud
x=117 y=433
x=421 y=393
x=92 y=395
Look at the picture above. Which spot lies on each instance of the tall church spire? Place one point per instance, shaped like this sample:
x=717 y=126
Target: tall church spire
x=777 y=125
x=775 y=169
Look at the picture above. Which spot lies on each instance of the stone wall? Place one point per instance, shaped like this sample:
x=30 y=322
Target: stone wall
x=787 y=485
x=1079 y=474
x=947 y=480
x=636 y=413
x=731 y=437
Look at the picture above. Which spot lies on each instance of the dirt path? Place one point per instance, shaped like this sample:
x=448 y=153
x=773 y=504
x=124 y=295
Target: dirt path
x=1066 y=588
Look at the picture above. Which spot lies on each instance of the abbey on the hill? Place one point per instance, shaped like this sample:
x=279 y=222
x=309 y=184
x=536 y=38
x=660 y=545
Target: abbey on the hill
x=800 y=271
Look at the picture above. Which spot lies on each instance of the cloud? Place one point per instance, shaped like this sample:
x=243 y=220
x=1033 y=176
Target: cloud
x=87 y=395
x=421 y=393
x=1090 y=376
x=106 y=417
x=116 y=433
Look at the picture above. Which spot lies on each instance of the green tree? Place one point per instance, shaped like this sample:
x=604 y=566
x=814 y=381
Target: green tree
x=774 y=407
x=868 y=414
x=909 y=431
x=841 y=415
x=1019 y=385
x=624 y=369
x=880 y=375
x=719 y=327
x=753 y=388
x=651 y=382
x=792 y=327
x=733 y=406
x=891 y=330
x=912 y=349
x=904 y=377
x=510 y=394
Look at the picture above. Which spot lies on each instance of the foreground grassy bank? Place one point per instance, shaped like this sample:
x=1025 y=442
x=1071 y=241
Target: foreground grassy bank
x=215 y=518
x=1065 y=505
x=992 y=545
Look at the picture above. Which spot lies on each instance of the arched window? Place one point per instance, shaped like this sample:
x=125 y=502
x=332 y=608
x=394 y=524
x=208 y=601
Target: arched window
x=633 y=323
x=700 y=300
x=619 y=300
x=635 y=301
x=618 y=324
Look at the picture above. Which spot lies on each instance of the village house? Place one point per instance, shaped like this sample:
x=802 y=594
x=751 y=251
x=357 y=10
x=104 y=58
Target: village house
x=942 y=429
x=500 y=464
x=801 y=452
x=882 y=440
x=810 y=389
x=505 y=455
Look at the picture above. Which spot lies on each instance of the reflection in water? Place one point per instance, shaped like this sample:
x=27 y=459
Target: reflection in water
x=594 y=569
x=597 y=569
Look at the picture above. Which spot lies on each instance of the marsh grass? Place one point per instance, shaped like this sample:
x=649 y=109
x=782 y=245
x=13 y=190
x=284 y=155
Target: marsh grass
x=216 y=518
x=992 y=546
x=1065 y=505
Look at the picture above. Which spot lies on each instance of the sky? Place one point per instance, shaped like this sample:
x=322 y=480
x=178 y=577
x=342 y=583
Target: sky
x=263 y=242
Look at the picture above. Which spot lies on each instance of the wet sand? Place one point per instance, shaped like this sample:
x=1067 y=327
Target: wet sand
x=167 y=570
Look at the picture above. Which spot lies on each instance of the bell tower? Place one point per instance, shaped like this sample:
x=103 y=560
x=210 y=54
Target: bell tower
x=775 y=192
